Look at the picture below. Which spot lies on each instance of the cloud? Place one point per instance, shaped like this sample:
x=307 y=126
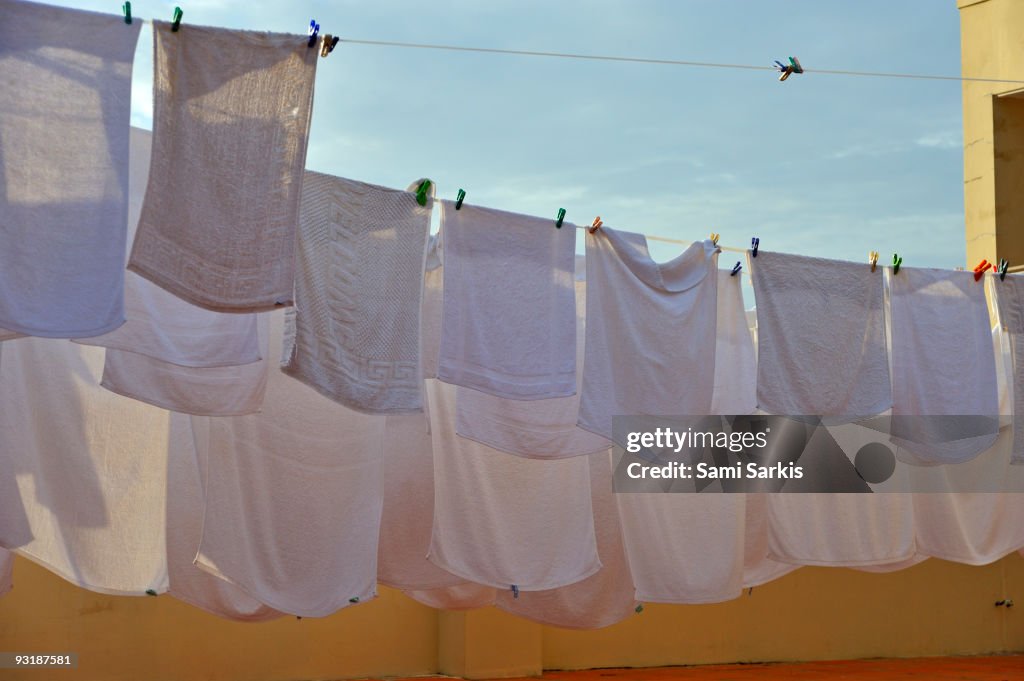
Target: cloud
x=948 y=139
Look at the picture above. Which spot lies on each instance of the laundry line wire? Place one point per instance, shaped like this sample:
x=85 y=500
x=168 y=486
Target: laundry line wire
x=667 y=62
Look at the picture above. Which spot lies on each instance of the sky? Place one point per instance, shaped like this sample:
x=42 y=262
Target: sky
x=823 y=165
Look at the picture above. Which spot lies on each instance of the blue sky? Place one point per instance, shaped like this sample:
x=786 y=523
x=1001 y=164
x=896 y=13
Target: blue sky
x=824 y=165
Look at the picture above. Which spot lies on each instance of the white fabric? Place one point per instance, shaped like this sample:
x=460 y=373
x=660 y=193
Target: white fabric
x=503 y=520
x=650 y=347
x=162 y=325
x=821 y=337
x=509 y=323
x=432 y=313
x=293 y=498
x=735 y=389
x=462 y=597
x=758 y=567
x=408 y=514
x=83 y=472
x=1009 y=295
x=210 y=391
x=6 y=571
x=230 y=126
x=361 y=254
x=539 y=429
x=64 y=121
x=604 y=598
x=942 y=365
x=185 y=502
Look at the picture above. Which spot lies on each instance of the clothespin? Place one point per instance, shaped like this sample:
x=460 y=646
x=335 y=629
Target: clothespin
x=788 y=69
x=150 y=592
x=421 y=192
x=515 y=591
x=354 y=599
x=127 y=9
x=754 y=243
x=980 y=270
x=459 y=199
x=896 y=262
x=736 y=269
x=561 y=216
x=176 y=19
x=595 y=225
x=639 y=608
x=1001 y=269
x=714 y=238
x=873 y=259
x=314 y=31
x=328 y=45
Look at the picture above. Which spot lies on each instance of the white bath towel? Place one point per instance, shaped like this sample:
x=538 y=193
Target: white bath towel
x=230 y=126
x=83 y=472
x=509 y=324
x=650 y=347
x=539 y=429
x=604 y=598
x=203 y=391
x=293 y=499
x=462 y=597
x=758 y=566
x=942 y=365
x=1009 y=296
x=432 y=312
x=6 y=571
x=361 y=255
x=185 y=501
x=408 y=513
x=821 y=337
x=162 y=325
x=735 y=389
x=64 y=122
x=502 y=520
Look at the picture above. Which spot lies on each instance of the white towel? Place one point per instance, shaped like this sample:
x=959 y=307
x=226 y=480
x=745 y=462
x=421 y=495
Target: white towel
x=185 y=502
x=821 y=337
x=432 y=312
x=462 y=597
x=6 y=571
x=64 y=121
x=509 y=324
x=408 y=514
x=735 y=389
x=650 y=347
x=162 y=325
x=83 y=472
x=604 y=598
x=942 y=365
x=1009 y=295
x=230 y=125
x=539 y=429
x=758 y=567
x=361 y=254
x=502 y=520
x=209 y=391
x=293 y=499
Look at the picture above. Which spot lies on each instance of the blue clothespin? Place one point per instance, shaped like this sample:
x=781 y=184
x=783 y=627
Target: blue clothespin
x=176 y=19
x=736 y=269
x=754 y=243
x=515 y=591
x=459 y=199
x=561 y=216
x=788 y=69
x=421 y=192
x=314 y=31
x=127 y=9
x=896 y=262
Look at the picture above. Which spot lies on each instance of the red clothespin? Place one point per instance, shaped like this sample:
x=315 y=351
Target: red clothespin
x=981 y=269
x=596 y=225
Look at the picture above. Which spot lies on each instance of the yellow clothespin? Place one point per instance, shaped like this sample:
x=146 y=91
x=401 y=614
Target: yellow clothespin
x=596 y=225
x=873 y=259
x=714 y=238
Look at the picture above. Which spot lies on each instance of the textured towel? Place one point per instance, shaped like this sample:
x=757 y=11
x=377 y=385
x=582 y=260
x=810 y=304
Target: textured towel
x=942 y=365
x=83 y=472
x=361 y=256
x=64 y=119
x=293 y=498
x=185 y=501
x=1009 y=295
x=821 y=337
x=6 y=571
x=162 y=325
x=230 y=125
x=432 y=311
x=502 y=520
x=539 y=429
x=735 y=358
x=509 y=324
x=463 y=597
x=604 y=598
x=651 y=328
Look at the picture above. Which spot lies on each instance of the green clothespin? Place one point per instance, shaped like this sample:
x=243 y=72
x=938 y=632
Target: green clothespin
x=127 y=9
x=561 y=216
x=150 y=592
x=421 y=192
x=176 y=19
x=896 y=262
x=458 y=199
x=639 y=608
x=354 y=599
